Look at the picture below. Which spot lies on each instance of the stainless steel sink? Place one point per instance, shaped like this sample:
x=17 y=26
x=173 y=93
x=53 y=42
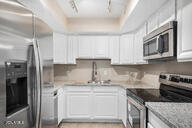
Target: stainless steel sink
x=99 y=82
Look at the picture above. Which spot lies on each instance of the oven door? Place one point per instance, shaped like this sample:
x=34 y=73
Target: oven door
x=136 y=114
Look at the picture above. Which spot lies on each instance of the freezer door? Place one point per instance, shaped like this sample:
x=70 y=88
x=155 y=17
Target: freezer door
x=17 y=45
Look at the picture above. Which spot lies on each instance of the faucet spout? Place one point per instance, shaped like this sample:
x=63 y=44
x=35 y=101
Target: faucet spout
x=94 y=71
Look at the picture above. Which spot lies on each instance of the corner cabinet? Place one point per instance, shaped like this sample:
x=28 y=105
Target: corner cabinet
x=65 y=48
x=138 y=45
x=61 y=105
x=60 y=48
x=126 y=49
x=114 y=49
x=184 y=49
x=72 y=48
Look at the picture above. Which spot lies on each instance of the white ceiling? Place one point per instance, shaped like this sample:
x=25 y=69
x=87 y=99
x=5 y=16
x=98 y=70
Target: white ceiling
x=93 y=8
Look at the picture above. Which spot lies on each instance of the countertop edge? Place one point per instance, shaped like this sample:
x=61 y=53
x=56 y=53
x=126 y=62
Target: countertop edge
x=161 y=117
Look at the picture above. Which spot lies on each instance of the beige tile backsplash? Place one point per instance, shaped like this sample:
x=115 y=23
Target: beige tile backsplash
x=81 y=72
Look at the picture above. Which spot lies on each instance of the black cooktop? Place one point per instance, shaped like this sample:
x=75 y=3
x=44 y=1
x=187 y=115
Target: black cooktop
x=166 y=93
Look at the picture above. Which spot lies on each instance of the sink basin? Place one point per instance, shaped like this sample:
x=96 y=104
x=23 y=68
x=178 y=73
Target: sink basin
x=99 y=82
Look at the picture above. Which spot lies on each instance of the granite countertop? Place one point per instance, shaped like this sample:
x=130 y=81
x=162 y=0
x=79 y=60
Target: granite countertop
x=175 y=115
x=136 y=84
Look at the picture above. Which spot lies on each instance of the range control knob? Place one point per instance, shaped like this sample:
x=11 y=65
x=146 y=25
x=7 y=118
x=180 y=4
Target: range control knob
x=163 y=76
x=174 y=78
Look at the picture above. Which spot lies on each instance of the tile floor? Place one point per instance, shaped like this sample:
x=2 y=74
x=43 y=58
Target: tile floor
x=91 y=125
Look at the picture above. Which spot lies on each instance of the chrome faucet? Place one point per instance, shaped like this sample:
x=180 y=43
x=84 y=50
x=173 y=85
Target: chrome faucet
x=94 y=71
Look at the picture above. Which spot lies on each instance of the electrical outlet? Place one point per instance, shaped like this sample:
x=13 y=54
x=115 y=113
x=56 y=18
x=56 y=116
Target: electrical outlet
x=67 y=73
x=105 y=73
x=127 y=73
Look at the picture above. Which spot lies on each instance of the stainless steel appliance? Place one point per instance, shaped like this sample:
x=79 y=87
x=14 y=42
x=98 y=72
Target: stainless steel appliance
x=173 y=88
x=161 y=43
x=25 y=65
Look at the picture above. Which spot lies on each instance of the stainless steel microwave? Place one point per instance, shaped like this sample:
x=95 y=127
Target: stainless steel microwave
x=161 y=43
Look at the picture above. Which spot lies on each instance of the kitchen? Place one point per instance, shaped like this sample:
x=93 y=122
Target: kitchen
x=100 y=64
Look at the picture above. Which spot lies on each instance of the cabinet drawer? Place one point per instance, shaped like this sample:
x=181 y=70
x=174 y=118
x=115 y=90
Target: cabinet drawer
x=155 y=121
x=78 y=89
x=105 y=89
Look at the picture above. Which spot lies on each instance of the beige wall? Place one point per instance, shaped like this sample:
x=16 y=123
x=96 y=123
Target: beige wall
x=93 y=25
x=152 y=71
x=81 y=72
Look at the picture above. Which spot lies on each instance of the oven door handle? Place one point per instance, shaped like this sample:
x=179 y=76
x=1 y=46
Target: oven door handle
x=138 y=105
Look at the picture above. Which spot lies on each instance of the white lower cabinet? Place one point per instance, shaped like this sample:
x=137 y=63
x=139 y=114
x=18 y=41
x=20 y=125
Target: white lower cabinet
x=155 y=122
x=61 y=105
x=105 y=105
x=78 y=105
x=123 y=106
x=92 y=103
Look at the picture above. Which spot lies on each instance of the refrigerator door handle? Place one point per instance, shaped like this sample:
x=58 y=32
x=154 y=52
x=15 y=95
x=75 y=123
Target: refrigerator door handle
x=41 y=78
x=38 y=85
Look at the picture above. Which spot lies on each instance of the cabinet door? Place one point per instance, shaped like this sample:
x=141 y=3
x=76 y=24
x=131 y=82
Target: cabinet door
x=72 y=49
x=101 y=47
x=152 y=23
x=60 y=48
x=138 y=46
x=155 y=122
x=105 y=106
x=167 y=12
x=61 y=109
x=78 y=105
x=85 y=47
x=114 y=49
x=123 y=106
x=126 y=49
x=184 y=30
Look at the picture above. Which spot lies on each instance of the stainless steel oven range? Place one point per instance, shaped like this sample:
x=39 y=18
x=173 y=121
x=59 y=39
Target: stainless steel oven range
x=173 y=88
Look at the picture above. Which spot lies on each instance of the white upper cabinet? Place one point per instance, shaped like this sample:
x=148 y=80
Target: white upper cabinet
x=114 y=50
x=65 y=49
x=60 y=48
x=126 y=49
x=138 y=45
x=101 y=47
x=85 y=47
x=152 y=23
x=93 y=47
x=184 y=30
x=72 y=48
x=167 y=12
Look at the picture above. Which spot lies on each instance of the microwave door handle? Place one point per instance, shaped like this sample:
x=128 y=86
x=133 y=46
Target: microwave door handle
x=38 y=84
x=160 y=45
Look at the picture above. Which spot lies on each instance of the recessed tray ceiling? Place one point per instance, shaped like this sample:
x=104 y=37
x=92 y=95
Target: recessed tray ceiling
x=93 y=8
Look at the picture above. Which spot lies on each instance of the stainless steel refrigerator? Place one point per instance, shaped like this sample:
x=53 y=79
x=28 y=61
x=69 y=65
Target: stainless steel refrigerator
x=26 y=64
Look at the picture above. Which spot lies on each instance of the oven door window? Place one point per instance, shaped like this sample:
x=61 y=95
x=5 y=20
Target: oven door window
x=153 y=47
x=133 y=116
